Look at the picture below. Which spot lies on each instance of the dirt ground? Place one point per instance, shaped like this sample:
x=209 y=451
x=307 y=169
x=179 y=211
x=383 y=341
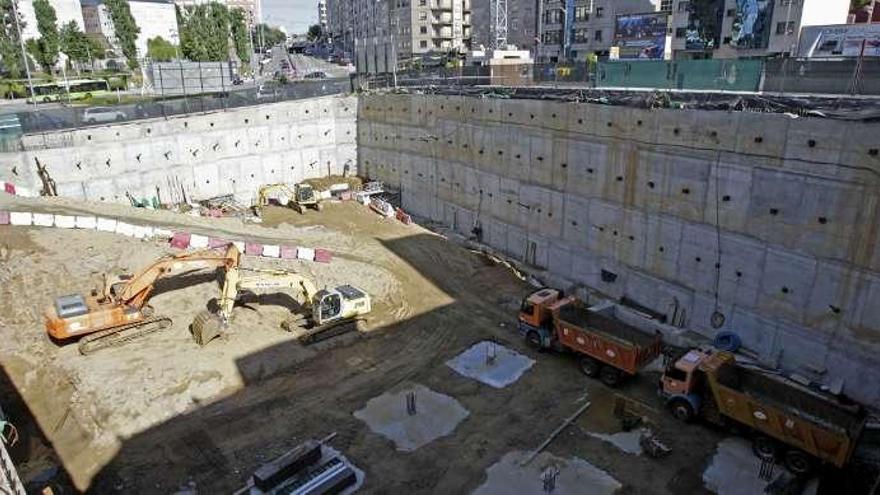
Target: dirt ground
x=162 y=414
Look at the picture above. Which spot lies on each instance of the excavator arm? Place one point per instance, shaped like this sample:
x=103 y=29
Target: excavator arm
x=136 y=291
x=238 y=278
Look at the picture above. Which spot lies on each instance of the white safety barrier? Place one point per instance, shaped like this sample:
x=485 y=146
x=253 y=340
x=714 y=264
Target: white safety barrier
x=270 y=251
x=198 y=241
x=87 y=223
x=106 y=224
x=307 y=254
x=20 y=217
x=43 y=219
x=65 y=221
x=125 y=229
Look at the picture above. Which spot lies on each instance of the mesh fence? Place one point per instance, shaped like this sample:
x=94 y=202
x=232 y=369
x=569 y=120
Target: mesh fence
x=129 y=108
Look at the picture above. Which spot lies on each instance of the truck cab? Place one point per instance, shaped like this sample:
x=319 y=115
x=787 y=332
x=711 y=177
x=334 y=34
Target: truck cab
x=536 y=316
x=680 y=384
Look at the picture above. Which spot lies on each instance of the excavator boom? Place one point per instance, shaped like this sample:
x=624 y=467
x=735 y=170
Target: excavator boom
x=121 y=306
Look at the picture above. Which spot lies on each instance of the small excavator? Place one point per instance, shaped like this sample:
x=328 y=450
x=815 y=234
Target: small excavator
x=119 y=313
x=299 y=197
x=323 y=314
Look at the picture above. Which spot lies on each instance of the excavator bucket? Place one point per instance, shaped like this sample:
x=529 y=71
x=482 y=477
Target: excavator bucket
x=206 y=327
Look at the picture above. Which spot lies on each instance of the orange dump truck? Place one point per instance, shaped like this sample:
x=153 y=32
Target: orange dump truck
x=798 y=425
x=606 y=347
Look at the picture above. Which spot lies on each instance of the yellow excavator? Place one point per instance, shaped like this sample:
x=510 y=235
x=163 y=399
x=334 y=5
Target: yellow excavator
x=118 y=312
x=299 y=197
x=323 y=313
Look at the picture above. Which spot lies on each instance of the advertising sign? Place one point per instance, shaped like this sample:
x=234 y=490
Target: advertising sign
x=846 y=40
x=641 y=36
x=704 y=24
x=752 y=24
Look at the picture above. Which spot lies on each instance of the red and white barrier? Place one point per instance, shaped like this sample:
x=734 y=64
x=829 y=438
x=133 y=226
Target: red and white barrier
x=177 y=240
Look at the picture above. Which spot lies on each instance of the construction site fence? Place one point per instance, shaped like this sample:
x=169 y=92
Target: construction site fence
x=130 y=108
x=793 y=76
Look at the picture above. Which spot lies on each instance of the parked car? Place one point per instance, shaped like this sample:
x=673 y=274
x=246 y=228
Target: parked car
x=102 y=114
x=316 y=75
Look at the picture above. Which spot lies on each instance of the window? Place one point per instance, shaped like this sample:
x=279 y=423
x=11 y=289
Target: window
x=683 y=6
x=676 y=374
x=666 y=5
x=581 y=36
x=786 y=3
x=600 y=11
x=781 y=29
x=598 y=36
x=423 y=16
x=581 y=14
x=423 y=44
x=731 y=12
x=423 y=29
x=680 y=32
x=423 y=3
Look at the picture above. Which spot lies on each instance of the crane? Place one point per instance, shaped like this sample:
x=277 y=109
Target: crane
x=321 y=310
x=119 y=313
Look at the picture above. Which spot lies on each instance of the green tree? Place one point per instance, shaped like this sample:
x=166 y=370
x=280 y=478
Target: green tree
x=271 y=36
x=315 y=32
x=126 y=29
x=77 y=46
x=45 y=49
x=238 y=26
x=205 y=32
x=161 y=50
x=857 y=4
x=10 y=48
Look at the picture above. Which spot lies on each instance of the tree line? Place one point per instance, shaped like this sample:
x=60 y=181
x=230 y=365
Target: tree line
x=207 y=32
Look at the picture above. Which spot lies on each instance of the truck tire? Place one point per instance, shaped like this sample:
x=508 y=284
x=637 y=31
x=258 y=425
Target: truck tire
x=534 y=340
x=682 y=410
x=589 y=366
x=764 y=447
x=798 y=462
x=610 y=376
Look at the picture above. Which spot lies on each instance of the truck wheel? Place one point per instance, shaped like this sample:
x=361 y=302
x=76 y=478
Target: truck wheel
x=589 y=366
x=798 y=462
x=682 y=410
x=764 y=447
x=534 y=340
x=610 y=376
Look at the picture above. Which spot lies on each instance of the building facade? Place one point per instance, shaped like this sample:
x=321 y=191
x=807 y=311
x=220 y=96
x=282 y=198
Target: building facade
x=322 y=14
x=155 y=18
x=380 y=35
x=65 y=11
x=570 y=30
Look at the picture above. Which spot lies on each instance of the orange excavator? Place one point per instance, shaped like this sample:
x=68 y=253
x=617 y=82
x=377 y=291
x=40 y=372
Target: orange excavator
x=119 y=312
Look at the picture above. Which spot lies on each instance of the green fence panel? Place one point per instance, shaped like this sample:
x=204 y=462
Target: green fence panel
x=716 y=75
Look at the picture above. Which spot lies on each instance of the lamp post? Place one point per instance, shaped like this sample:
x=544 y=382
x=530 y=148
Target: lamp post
x=27 y=67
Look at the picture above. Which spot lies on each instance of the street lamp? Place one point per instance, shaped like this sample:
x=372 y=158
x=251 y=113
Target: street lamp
x=27 y=67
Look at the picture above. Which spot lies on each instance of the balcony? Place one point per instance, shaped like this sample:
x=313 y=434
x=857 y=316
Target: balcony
x=443 y=33
x=444 y=18
x=441 y=4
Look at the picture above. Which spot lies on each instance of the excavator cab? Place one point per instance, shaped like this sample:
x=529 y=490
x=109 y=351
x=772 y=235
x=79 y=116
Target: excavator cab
x=343 y=302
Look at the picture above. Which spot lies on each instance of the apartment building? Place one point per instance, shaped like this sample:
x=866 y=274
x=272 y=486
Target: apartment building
x=65 y=11
x=379 y=35
x=153 y=17
x=322 y=14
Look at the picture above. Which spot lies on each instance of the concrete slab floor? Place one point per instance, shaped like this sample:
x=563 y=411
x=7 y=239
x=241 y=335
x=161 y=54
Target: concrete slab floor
x=436 y=416
x=627 y=441
x=734 y=470
x=576 y=476
x=491 y=363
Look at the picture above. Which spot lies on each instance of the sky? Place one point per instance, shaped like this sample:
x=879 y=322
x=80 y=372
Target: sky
x=295 y=15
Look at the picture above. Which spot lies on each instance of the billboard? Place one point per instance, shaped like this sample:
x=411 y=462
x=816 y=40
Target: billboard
x=845 y=40
x=641 y=36
x=752 y=24
x=704 y=24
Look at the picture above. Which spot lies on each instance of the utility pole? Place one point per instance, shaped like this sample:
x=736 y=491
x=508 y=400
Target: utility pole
x=27 y=67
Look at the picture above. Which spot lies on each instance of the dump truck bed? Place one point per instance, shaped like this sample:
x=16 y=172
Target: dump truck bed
x=813 y=422
x=606 y=339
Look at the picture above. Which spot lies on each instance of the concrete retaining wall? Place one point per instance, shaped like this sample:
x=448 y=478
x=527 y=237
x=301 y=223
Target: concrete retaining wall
x=209 y=155
x=777 y=215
